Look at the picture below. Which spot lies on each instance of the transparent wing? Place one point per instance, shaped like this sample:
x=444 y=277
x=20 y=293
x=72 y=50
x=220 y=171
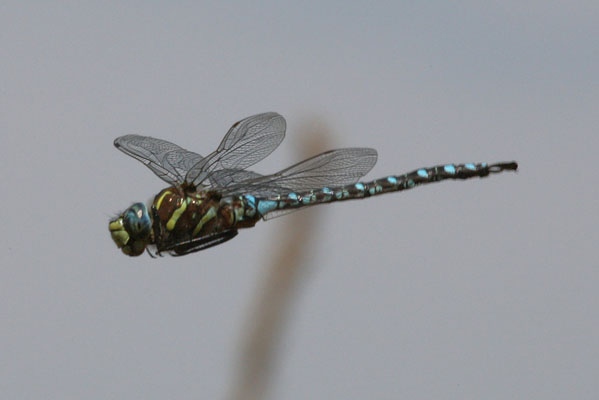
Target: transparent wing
x=247 y=142
x=167 y=160
x=332 y=168
x=228 y=177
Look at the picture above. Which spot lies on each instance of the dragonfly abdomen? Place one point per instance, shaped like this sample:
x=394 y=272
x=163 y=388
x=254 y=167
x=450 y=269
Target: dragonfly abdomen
x=393 y=183
x=437 y=173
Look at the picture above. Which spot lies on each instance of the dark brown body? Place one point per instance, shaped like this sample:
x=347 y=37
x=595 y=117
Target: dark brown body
x=184 y=220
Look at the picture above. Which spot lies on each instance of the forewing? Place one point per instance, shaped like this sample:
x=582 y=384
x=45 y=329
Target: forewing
x=330 y=169
x=247 y=142
x=167 y=160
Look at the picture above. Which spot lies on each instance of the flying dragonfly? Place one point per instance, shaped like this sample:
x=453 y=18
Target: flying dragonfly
x=210 y=198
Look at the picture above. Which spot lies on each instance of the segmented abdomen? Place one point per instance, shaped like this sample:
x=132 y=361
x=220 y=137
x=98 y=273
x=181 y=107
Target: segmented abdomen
x=388 y=184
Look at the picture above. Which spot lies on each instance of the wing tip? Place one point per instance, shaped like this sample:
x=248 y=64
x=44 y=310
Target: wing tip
x=118 y=142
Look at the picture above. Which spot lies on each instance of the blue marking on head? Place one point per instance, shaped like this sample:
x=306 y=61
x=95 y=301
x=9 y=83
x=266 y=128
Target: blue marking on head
x=265 y=206
x=484 y=165
x=450 y=169
x=422 y=173
x=359 y=186
x=371 y=190
x=470 y=166
x=339 y=195
x=306 y=200
x=411 y=183
x=326 y=190
x=137 y=222
x=392 y=180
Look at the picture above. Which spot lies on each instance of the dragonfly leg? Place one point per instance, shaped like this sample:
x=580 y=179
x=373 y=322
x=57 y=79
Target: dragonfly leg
x=150 y=253
x=200 y=243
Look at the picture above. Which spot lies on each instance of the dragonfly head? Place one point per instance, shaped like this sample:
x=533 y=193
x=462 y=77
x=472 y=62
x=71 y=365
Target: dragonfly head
x=131 y=231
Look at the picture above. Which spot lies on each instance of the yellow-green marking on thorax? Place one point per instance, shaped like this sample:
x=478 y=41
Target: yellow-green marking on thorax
x=170 y=225
x=207 y=217
x=238 y=213
x=159 y=202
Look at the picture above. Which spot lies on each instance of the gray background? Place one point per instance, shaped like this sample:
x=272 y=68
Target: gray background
x=478 y=289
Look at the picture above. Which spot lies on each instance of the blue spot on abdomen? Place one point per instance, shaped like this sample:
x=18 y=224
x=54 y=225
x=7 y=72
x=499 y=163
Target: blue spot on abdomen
x=265 y=206
x=251 y=200
x=450 y=169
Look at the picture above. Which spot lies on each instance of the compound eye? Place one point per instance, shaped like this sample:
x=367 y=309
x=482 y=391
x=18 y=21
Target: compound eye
x=137 y=221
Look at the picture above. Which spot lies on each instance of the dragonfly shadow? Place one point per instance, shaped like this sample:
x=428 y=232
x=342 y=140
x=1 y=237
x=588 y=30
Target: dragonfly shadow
x=286 y=269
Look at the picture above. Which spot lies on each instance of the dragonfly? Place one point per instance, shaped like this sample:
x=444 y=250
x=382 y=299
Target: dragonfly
x=210 y=198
